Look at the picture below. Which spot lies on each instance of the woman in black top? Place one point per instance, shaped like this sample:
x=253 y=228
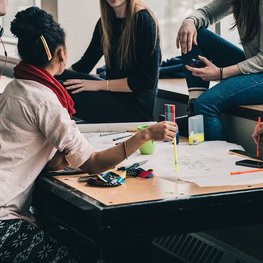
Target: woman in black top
x=128 y=37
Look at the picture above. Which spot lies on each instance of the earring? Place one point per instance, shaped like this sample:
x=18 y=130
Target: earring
x=63 y=63
x=62 y=66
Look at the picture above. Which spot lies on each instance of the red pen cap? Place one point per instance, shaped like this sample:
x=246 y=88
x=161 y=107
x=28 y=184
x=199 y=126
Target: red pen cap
x=169 y=108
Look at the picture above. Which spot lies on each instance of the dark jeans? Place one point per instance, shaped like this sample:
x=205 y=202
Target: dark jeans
x=234 y=91
x=103 y=106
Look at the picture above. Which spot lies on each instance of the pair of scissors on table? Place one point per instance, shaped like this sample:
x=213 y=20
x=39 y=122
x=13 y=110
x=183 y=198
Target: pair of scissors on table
x=133 y=166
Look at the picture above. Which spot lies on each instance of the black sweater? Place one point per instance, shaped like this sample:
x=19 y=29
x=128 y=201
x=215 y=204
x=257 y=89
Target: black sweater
x=142 y=74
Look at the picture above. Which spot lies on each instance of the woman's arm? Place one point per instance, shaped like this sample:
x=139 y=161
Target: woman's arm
x=211 y=13
x=60 y=131
x=58 y=162
x=148 y=56
x=211 y=72
x=104 y=160
x=202 y=17
x=114 y=85
x=145 y=75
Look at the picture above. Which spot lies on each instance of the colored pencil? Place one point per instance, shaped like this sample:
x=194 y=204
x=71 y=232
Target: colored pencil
x=258 y=144
x=247 y=171
x=175 y=155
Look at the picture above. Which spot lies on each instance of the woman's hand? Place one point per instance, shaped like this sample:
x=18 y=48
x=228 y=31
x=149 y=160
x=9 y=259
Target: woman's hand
x=207 y=73
x=162 y=131
x=257 y=134
x=79 y=85
x=187 y=36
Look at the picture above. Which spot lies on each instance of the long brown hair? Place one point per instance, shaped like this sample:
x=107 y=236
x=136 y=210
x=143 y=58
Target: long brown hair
x=246 y=18
x=126 y=49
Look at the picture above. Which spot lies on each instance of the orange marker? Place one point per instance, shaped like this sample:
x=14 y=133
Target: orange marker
x=247 y=171
x=258 y=144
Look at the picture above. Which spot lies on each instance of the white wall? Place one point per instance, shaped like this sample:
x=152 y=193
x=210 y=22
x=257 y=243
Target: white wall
x=78 y=18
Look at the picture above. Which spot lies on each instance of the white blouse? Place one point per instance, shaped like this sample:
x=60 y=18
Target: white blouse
x=33 y=126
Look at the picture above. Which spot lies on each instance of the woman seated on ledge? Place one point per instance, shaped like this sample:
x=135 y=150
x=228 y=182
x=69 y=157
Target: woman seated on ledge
x=240 y=72
x=128 y=37
x=35 y=122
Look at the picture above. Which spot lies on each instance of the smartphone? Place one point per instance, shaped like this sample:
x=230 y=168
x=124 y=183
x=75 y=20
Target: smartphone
x=196 y=63
x=250 y=163
x=241 y=152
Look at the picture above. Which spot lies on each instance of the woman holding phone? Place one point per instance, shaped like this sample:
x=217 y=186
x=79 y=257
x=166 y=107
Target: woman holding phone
x=240 y=72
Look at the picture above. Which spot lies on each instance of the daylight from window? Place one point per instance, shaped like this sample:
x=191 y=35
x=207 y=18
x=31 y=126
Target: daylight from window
x=170 y=14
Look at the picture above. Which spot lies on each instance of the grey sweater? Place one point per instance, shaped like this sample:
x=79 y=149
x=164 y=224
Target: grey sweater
x=215 y=11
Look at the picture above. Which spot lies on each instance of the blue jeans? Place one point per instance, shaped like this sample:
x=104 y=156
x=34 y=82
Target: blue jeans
x=234 y=91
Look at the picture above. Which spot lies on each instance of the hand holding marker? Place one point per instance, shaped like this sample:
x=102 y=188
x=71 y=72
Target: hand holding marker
x=170 y=116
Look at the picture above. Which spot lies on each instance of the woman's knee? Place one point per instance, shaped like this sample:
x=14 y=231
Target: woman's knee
x=203 y=105
x=203 y=32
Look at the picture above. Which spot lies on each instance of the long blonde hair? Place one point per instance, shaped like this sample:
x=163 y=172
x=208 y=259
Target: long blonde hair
x=126 y=49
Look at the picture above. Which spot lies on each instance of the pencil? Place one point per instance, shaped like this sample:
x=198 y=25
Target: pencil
x=247 y=171
x=111 y=133
x=258 y=144
x=181 y=117
x=122 y=137
x=175 y=155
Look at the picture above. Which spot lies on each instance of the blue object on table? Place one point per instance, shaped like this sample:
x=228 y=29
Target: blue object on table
x=177 y=137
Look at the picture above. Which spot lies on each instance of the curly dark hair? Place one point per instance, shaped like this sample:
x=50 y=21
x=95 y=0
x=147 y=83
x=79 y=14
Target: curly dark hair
x=28 y=26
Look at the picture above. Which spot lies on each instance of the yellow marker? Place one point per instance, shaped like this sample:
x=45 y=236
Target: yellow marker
x=175 y=155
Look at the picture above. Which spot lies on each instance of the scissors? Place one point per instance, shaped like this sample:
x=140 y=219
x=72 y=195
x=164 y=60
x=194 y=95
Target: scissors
x=85 y=178
x=133 y=166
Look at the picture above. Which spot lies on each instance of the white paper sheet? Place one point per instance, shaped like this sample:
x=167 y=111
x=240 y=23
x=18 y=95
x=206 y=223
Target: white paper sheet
x=206 y=164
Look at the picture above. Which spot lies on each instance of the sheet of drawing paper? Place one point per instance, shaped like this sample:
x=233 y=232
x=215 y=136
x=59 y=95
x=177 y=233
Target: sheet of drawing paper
x=205 y=164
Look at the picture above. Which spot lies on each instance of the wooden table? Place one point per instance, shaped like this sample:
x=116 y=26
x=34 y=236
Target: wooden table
x=144 y=208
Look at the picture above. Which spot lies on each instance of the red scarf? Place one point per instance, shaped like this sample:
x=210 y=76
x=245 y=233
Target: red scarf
x=30 y=72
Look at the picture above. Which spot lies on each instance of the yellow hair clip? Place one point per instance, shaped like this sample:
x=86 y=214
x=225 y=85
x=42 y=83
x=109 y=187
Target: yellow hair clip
x=49 y=56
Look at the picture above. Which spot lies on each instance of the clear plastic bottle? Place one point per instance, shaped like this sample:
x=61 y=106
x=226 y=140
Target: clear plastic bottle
x=196 y=129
